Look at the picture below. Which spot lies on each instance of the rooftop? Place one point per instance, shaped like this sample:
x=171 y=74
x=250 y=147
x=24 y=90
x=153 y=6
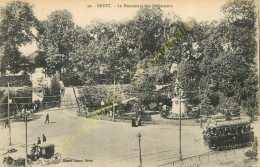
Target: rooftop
x=218 y=122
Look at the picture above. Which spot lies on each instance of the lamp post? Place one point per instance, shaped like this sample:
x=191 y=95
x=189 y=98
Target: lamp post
x=114 y=87
x=113 y=101
x=178 y=89
x=140 y=151
x=180 y=152
x=9 y=122
x=26 y=140
x=200 y=109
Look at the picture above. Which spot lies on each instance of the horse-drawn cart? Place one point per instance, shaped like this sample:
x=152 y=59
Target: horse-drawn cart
x=44 y=153
x=40 y=154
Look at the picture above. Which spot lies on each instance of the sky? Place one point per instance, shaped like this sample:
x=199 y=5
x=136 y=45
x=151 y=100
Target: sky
x=201 y=10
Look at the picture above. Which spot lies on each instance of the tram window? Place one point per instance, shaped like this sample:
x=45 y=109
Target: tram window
x=217 y=132
x=227 y=131
x=221 y=132
x=233 y=130
x=213 y=131
x=247 y=128
x=243 y=129
x=239 y=129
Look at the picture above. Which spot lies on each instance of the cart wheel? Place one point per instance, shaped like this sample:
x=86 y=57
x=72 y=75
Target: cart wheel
x=56 y=158
x=58 y=155
x=38 y=162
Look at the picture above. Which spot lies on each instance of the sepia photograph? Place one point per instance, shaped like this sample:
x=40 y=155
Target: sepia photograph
x=129 y=83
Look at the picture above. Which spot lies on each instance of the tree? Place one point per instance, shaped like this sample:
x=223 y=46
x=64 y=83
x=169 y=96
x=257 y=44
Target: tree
x=57 y=39
x=240 y=46
x=145 y=35
x=227 y=51
x=90 y=49
x=18 y=20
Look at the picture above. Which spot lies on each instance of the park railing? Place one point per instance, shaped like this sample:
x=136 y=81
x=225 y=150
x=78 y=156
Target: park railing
x=208 y=158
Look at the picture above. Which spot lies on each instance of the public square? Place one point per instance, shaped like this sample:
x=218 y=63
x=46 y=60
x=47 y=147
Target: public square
x=110 y=143
x=129 y=83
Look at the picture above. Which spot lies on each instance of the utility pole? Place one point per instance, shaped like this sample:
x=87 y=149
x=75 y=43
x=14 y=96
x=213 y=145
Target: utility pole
x=257 y=3
x=26 y=140
x=200 y=117
x=180 y=154
x=114 y=95
x=200 y=109
x=140 y=151
x=9 y=122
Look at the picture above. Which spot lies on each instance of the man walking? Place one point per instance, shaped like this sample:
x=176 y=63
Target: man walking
x=43 y=138
x=47 y=118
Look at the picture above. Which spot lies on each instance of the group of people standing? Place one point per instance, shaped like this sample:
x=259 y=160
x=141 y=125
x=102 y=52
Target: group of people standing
x=137 y=122
x=36 y=105
x=43 y=139
x=33 y=107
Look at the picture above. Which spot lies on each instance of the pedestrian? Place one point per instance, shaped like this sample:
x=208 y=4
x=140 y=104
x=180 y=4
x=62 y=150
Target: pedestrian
x=39 y=141
x=47 y=118
x=37 y=104
x=34 y=107
x=139 y=121
x=43 y=138
x=23 y=110
x=133 y=122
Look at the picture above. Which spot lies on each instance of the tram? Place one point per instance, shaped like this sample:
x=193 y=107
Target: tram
x=222 y=134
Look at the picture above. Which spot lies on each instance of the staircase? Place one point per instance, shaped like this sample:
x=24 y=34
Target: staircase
x=68 y=101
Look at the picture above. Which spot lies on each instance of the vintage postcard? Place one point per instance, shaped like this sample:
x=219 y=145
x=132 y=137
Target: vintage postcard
x=129 y=83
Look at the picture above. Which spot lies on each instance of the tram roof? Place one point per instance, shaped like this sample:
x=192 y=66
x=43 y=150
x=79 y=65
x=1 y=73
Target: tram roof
x=233 y=122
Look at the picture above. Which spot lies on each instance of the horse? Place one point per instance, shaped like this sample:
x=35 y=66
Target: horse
x=8 y=160
x=19 y=162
